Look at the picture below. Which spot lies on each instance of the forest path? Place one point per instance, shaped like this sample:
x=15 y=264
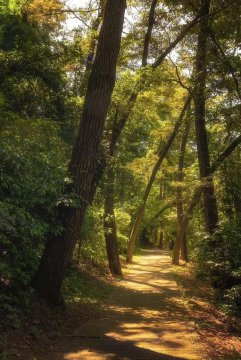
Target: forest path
x=143 y=319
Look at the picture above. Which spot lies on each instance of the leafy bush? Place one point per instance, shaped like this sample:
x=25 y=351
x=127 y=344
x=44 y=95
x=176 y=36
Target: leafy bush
x=218 y=258
x=92 y=238
x=32 y=167
x=123 y=220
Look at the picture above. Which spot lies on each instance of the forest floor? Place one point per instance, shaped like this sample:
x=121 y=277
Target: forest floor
x=219 y=332
x=155 y=312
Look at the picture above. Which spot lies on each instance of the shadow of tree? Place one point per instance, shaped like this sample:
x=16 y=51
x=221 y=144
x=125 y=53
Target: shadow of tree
x=142 y=320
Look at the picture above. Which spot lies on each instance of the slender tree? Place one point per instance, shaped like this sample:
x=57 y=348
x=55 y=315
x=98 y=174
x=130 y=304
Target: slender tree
x=161 y=156
x=110 y=230
x=180 y=212
x=210 y=204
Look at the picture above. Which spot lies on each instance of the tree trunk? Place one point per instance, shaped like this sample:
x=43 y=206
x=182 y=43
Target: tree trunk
x=162 y=155
x=182 y=229
x=161 y=239
x=145 y=238
x=151 y=22
x=110 y=224
x=156 y=237
x=180 y=214
x=50 y=274
x=210 y=204
x=198 y=191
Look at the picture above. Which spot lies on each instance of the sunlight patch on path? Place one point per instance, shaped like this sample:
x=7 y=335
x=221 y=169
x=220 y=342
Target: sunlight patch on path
x=144 y=319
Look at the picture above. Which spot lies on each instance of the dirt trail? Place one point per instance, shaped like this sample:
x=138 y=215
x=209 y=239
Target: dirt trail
x=143 y=319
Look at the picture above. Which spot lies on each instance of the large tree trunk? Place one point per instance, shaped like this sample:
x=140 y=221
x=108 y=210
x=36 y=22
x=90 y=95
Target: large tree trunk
x=49 y=276
x=180 y=213
x=210 y=204
x=162 y=155
x=110 y=224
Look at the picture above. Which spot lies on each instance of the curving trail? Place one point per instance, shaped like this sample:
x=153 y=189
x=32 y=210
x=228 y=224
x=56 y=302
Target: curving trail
x=143 y=319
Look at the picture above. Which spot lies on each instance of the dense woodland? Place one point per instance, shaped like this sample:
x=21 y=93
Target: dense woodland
x=118 y=132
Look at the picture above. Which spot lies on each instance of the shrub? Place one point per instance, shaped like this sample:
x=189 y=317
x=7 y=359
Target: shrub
x=218 y=258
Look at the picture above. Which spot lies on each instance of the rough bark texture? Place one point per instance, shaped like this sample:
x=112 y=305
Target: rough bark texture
x=210 y=204
x=49 y=276
x=110 y=224
x=180 y=213
x=162 y=154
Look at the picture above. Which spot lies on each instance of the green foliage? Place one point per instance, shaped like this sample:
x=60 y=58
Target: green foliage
x=123 y=221
x=11 y=6
x=32 y=169
x=85 y=288
x=218 y=258
x=92 y=236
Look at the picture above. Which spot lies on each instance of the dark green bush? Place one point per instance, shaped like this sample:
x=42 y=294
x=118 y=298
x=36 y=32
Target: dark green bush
x=32 y=168
x=218 y=258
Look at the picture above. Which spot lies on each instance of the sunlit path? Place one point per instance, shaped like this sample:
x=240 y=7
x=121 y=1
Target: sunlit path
x=143 y=319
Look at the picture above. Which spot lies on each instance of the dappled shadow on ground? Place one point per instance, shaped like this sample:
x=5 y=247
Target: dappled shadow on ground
x=220 y=333
x=142 y=320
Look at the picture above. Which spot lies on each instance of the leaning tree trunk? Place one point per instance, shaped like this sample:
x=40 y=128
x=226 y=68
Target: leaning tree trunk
x=110 y=224
x=210 y=204
x=162 y=155
x=183 y=244
x=58 y=251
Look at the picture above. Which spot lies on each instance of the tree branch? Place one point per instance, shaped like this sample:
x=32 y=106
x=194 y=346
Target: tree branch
x=151 y=22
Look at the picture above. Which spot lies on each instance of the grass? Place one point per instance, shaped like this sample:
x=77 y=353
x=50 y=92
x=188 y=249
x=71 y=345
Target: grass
x=80 y=286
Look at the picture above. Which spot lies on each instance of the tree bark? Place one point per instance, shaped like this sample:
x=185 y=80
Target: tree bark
x=162 y=154
x=210 y=204
x=58 y=251
x=180 y=214
x=110 y=224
